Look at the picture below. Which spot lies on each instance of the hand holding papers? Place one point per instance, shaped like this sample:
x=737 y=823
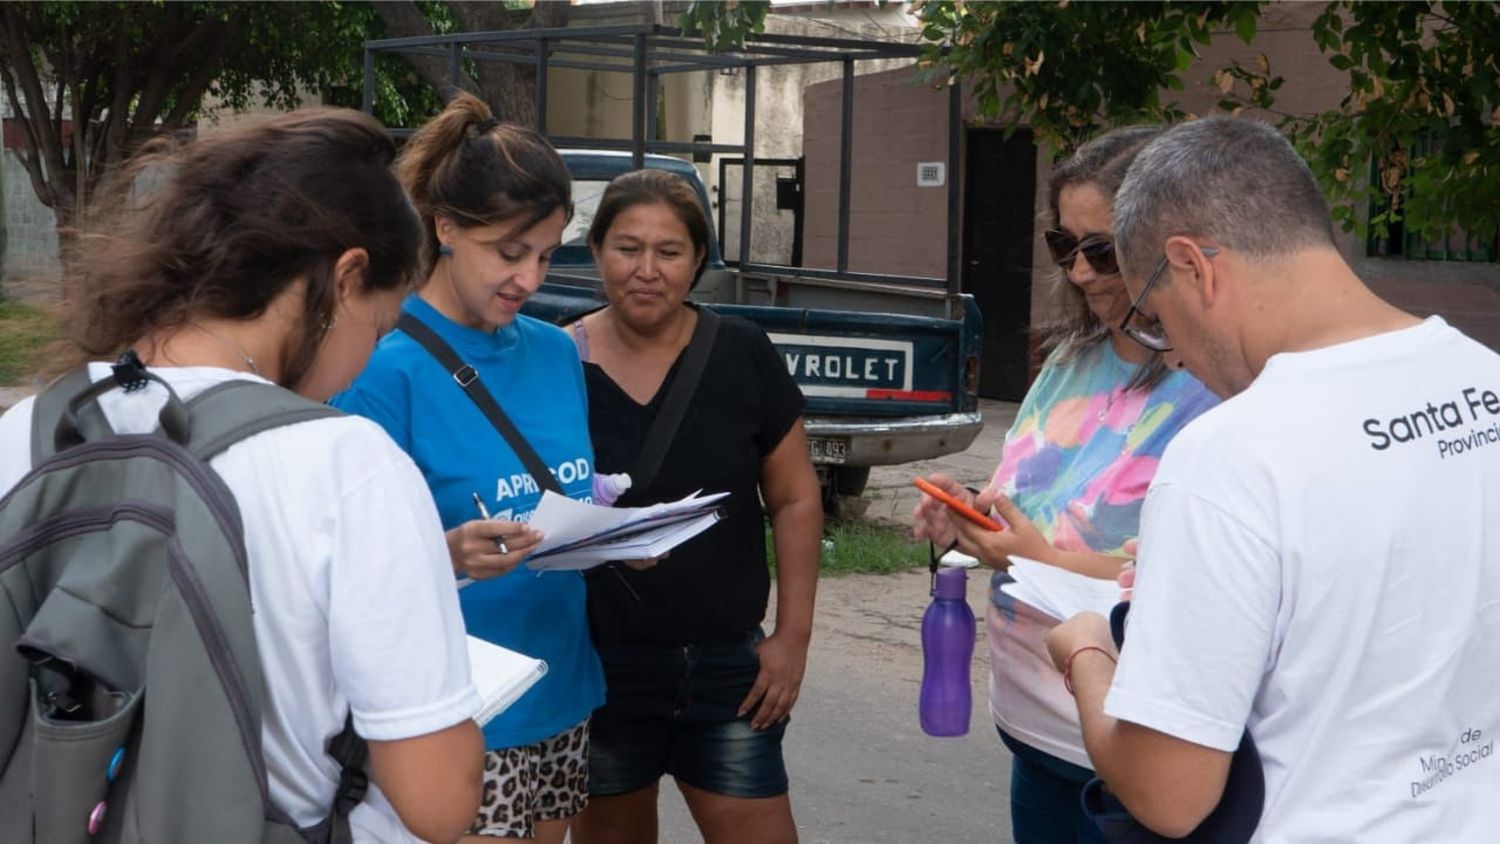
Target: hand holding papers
x=1058 y=592
x=580 y=536
x=500 y=675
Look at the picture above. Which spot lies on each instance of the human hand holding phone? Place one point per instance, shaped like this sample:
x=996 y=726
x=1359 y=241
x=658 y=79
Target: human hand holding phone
x=957 y=505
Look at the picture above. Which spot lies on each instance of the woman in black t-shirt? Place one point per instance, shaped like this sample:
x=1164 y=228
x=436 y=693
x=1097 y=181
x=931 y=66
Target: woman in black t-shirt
x=694 y=689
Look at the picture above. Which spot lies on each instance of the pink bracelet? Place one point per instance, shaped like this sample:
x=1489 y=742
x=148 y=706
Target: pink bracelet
x=1068 y=665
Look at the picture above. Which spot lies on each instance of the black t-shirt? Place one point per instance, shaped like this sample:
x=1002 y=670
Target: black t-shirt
x=715 y=584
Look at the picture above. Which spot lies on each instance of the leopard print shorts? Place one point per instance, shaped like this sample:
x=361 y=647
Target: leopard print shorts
x=546 y=781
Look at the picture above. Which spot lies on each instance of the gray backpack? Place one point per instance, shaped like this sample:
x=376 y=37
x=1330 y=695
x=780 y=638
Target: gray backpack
x=130 y=682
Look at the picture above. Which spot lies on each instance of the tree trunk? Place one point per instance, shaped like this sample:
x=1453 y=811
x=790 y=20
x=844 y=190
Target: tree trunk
x=509 y=89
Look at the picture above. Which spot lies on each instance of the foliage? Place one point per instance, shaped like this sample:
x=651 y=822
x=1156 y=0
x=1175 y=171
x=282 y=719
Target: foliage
x=1423 y=106
x=724 y=24
x=124 y=72
x=1022 y=58
x=24 y=332
x=861 y=548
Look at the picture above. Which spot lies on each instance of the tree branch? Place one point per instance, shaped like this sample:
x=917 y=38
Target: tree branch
x=126 y=76
x=403 y=20
x=44 y=142
x=32 y=159
x=172 y=37
x=207 y=70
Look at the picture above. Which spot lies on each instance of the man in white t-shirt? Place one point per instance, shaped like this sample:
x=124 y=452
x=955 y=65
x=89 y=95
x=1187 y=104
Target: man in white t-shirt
x=1320 y=554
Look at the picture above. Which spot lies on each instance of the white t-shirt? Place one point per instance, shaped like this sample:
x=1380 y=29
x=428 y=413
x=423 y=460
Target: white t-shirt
x=349 y=575
x=1320 y=561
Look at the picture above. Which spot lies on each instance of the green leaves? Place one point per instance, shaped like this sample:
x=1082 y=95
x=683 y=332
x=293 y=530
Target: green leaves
x=1108 y=62
x=724 y=24
x=1416 y=140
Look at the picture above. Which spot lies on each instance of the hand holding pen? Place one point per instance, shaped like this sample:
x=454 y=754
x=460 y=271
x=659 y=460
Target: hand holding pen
x=487 y=547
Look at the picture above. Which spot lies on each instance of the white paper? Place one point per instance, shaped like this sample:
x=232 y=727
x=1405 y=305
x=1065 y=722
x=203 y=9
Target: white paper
x=1058 y=592
x=500 y=675
x=578 y=535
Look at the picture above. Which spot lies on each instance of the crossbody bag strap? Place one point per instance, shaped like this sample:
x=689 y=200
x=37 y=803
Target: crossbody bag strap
x=467 y=377
x=679 y=396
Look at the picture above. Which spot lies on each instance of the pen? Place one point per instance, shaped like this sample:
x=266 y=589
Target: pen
x=484 y=513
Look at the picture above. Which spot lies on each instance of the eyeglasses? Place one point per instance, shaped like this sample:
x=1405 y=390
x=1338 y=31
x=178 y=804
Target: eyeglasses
x=1098 y=250
x=1151 y=334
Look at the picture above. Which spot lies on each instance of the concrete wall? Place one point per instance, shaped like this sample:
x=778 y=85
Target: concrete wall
x=30 y=256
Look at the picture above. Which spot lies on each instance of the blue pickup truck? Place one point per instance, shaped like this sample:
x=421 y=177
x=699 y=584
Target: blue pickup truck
x=889 y=371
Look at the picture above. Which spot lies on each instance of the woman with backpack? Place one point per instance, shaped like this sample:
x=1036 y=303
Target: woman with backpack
x=490 y=404
x=273 y=254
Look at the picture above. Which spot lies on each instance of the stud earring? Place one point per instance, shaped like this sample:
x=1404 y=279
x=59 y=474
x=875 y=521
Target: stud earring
x=445 y=250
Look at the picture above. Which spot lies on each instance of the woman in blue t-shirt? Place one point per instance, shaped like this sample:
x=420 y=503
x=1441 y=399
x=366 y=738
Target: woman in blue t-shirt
x=494 y=199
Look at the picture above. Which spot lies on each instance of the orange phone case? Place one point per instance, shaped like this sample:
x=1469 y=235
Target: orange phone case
x=957 y=506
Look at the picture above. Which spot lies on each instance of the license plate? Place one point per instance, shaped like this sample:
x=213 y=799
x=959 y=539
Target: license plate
x=828 y=450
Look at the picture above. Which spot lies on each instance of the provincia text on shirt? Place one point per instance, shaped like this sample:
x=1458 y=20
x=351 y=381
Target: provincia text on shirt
x=522 y=485
x=1459 y=425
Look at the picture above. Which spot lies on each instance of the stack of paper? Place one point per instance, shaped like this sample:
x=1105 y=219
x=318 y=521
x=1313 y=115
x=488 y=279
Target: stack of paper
x=579 y=535
x=500 y=675
x=1058 y=592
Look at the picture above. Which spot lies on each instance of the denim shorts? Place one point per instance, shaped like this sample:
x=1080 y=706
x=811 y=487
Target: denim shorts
x=671 y=709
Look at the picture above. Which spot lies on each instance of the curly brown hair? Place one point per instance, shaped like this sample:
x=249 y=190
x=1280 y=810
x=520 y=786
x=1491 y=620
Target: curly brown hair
x=218 y=227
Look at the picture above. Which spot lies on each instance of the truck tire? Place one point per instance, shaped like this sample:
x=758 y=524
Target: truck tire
x=849 y=480
x=839 y=485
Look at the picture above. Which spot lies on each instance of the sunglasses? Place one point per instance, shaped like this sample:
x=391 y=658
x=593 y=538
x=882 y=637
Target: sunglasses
x=1098 y=251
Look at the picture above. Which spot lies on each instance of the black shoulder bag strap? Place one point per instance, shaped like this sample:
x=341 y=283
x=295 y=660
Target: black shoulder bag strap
x=468 y=378
x=674 y=407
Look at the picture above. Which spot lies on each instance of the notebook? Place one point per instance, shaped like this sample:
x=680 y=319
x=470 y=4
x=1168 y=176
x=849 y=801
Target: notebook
x=501 y=676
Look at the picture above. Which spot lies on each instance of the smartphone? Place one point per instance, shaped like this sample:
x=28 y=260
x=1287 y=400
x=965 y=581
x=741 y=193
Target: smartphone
x=957 y=506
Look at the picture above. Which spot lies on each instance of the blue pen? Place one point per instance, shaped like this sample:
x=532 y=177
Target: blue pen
x=484 y=513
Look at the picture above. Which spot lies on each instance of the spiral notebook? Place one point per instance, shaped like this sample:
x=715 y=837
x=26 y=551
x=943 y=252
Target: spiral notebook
x=501 y=676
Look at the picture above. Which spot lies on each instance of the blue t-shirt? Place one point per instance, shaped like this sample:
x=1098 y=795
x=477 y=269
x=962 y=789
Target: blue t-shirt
x=532 y=370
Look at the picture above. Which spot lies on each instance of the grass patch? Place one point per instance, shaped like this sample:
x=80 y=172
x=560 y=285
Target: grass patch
x=861 y=548
x=24 y=332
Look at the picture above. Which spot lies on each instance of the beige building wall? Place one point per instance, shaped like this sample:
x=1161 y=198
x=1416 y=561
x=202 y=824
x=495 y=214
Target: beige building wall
x=895 y=226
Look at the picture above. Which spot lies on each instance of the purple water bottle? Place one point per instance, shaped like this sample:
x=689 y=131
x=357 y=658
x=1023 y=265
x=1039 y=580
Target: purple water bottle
x=947 y=651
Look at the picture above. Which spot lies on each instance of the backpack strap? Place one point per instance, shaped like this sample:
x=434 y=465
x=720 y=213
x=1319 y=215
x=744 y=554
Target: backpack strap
x=351 y=753
x=467 y=378
x=674 y=406
x=235 y=410
x=48 y=409
x=67 y=413
x=223 y=415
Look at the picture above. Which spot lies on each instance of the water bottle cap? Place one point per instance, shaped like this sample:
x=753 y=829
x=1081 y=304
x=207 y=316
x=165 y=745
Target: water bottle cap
x=951 y=583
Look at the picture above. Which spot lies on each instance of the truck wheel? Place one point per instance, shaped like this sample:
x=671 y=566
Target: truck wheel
x=840 y=491
x=850 y=480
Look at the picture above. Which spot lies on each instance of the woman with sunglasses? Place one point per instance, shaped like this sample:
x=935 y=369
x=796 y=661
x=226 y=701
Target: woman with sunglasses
x=1072 y=476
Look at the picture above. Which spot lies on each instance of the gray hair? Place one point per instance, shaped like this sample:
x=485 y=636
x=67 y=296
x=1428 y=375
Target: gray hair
x=1234 y=180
